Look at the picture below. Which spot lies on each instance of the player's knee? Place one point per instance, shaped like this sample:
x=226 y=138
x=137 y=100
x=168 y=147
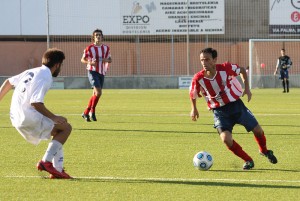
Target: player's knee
x=68 y=128
x=98 y=92
x=226 y=137
x=257 y=130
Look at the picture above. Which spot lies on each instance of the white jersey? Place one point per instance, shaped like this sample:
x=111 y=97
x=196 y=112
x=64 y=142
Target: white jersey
x=31 y=86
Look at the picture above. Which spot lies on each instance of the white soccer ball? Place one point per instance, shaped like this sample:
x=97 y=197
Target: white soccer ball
x=203 y=160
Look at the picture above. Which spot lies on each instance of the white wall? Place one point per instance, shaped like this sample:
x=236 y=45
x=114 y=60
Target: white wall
x=23 y=17
x=81 y=17
x=29 y=17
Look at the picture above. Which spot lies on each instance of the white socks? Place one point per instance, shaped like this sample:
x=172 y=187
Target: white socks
x=58 y=160
x=54 y=153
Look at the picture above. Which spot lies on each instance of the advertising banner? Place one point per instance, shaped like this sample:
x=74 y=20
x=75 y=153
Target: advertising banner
x=284 y=17
x=172 y=17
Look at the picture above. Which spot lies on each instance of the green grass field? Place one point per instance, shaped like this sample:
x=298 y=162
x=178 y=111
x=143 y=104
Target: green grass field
x=142 y=147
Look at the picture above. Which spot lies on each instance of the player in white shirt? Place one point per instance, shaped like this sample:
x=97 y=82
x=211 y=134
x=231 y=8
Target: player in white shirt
x=32 y=119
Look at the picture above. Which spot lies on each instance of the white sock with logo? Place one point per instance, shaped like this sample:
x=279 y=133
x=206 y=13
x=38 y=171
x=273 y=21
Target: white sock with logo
x=52 y=150
x=58 y=160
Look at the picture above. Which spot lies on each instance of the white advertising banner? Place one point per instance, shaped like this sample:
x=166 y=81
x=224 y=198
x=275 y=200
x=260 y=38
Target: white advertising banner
x=172 y=17
x=284 y=17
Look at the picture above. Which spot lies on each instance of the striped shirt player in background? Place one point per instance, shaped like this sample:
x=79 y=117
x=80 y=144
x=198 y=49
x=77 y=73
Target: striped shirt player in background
x=217 y=83
x=97 y=57
x=284 y=62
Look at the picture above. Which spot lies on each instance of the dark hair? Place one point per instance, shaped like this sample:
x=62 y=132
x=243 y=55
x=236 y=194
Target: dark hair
x=53 y=56
x=283 y=49
x=211 y=51
x=95 y=31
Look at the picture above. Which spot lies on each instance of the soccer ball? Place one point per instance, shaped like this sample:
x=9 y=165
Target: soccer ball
x=203 y=160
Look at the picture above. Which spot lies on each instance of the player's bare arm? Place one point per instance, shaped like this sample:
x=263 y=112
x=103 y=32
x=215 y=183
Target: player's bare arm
x=6 y=86
x=40 y=107
x=277 y=66
x=275 y=72
x=194 y=112
x=244 y=77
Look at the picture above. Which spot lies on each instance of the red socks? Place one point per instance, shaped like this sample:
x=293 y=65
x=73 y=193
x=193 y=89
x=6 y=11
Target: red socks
x=237 y=150
x=92 y=105
x=87 y=110
x=262 y=143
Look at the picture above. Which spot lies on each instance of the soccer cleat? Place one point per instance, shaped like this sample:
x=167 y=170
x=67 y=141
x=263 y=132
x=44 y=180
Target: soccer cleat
x=248 y=165
x=93 y=117
x=269 y=154
x=47 y=166
x=64 y=174
x=86 y=117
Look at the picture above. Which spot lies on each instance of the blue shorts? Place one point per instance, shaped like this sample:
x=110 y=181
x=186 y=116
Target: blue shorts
x=284 y=74
x=234 y=113
x=96 y=79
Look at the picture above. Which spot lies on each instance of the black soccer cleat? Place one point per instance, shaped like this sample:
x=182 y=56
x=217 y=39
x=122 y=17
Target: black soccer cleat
x=269 y=154
x=86 y=117
x=248 y=165
x=93 y=117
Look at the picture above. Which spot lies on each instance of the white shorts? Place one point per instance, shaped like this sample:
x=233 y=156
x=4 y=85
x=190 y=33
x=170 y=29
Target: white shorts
x=39 y=129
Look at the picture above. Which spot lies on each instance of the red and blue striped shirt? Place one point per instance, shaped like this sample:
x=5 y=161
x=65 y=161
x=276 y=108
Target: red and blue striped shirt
x=97 y=53
x=220 y=90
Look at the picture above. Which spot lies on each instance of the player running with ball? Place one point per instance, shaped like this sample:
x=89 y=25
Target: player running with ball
x=217 y=83
x=30 y=116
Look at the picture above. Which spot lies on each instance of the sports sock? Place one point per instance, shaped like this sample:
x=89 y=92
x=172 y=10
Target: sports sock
x=94 y=103
x=58 y=160
x=87 y=110
x=237 y=150
x=52 y=150
x=262 y=143
x=283 y=85
x=287 y=85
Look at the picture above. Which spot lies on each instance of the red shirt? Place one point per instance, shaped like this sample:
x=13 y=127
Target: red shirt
x=222 y=89
x=97 y=53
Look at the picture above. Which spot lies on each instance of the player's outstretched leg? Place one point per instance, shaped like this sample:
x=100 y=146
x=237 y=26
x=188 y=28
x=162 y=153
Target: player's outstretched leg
x=261 y=140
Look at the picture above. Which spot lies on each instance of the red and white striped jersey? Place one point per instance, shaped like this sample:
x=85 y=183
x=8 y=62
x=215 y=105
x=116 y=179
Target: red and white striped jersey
x=97 y=53
x=223 y=88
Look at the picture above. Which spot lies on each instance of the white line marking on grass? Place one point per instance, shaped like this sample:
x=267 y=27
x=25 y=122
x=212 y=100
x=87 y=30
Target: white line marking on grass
x=173 y=179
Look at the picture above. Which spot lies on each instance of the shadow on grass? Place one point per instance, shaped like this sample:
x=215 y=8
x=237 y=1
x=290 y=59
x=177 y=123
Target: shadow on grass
x=168 y=131
x=145 y=131
x=200 y=124
x=218 y=183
